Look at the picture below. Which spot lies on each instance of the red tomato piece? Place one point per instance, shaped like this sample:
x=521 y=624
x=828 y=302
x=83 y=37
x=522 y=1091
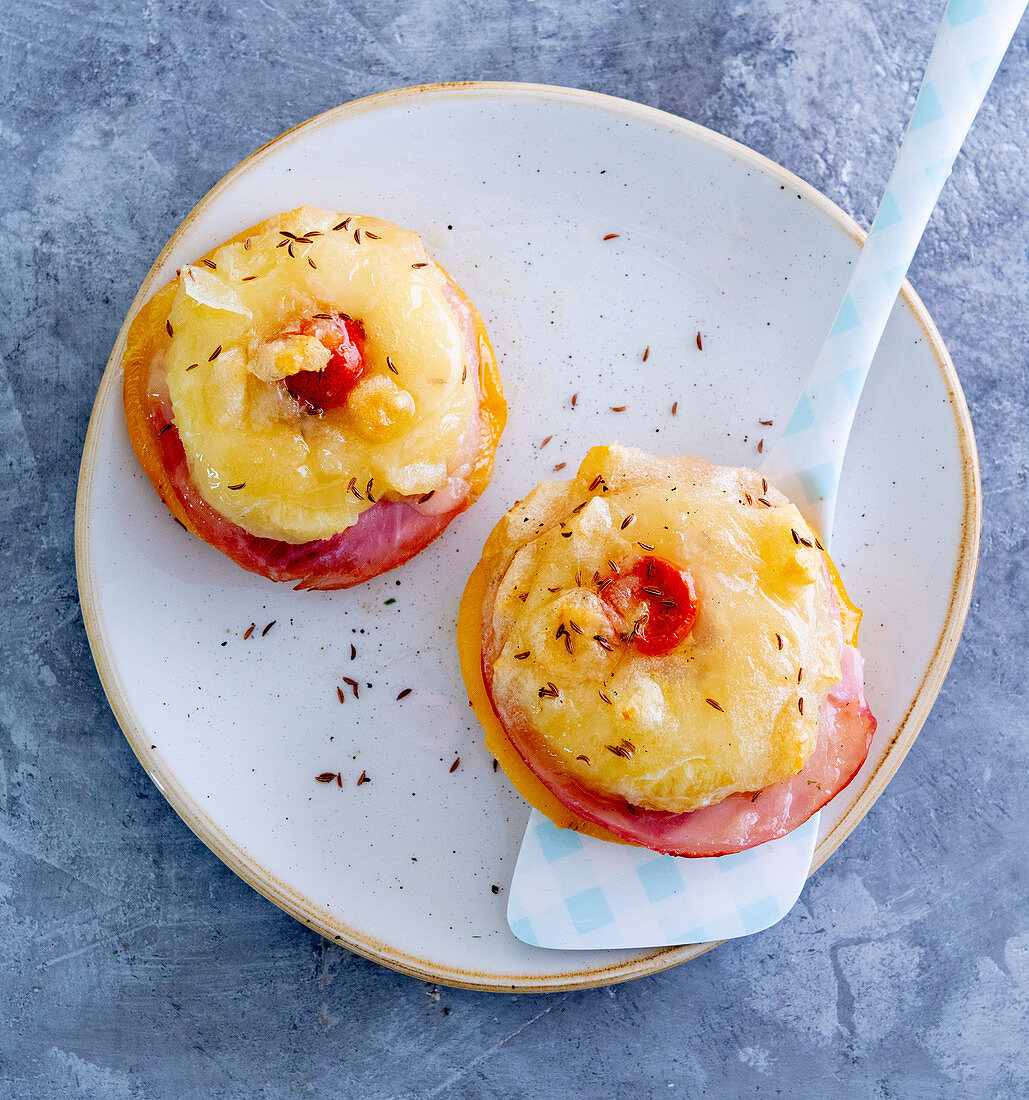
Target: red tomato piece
x=655 y=604
x=329 y=388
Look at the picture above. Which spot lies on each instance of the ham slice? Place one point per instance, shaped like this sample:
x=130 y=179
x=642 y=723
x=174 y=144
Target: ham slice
x=741 y=821
x=386 y=535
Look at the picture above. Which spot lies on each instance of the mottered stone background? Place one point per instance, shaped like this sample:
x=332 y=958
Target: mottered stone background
x=132 y=963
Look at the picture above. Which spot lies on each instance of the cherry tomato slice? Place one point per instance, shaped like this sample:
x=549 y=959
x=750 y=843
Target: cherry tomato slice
x=330 y=387
x=654 y=603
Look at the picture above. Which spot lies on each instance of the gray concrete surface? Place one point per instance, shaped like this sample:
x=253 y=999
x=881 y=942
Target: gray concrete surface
x=132 y=963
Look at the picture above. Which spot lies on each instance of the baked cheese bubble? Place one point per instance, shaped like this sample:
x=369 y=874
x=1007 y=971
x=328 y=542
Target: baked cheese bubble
x=246 y=334
x=661 y=630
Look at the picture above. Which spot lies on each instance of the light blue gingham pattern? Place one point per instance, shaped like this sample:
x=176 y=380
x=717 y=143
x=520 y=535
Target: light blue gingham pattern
x=573 y=892
x=570 y=891
x=805 y=462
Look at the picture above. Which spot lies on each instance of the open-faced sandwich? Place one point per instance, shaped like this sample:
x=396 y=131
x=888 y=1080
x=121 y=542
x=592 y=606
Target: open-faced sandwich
x=667 y=655
x=316 y=398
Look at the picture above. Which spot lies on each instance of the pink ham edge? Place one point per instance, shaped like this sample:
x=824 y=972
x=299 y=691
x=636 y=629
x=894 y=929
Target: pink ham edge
x=385 y=536
x=741 y=821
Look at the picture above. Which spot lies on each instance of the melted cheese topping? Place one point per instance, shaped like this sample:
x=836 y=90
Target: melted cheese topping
x=756 y=584
x=260 y=457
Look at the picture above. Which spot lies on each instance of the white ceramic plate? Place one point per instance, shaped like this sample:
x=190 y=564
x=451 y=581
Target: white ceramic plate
x=514 y=188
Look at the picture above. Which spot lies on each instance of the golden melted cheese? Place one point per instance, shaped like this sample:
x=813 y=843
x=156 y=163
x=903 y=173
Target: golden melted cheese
x=757 y=583
x=402 y=429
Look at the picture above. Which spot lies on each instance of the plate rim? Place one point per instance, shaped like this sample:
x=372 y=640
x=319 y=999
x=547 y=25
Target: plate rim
x=263 y=881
